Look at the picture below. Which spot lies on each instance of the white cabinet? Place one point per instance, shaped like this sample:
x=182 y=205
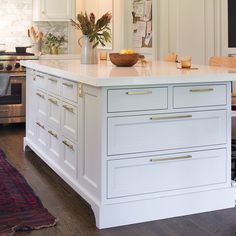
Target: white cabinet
x=69 y=157
x=69 y=118
x=54 y=109
x=137 y=99
x=41 y=136
x=129 y=148
x=53 y=10
x=41 y=105
x=165 y=173
x=54 y=146
x=170 y=131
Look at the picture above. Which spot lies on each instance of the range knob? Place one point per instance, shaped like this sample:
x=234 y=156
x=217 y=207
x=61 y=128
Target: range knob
x=17 y=65
x=1 y=66
x=9 y=67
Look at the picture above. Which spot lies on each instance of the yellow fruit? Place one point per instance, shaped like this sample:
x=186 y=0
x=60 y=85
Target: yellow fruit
x=127 y=51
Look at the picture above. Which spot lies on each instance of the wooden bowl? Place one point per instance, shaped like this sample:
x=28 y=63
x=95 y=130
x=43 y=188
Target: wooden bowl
x=124 y=59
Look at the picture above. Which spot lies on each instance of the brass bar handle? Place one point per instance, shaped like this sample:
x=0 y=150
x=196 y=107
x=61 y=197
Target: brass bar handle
x=201 y=90
x=68 y=85
x=171 y=117
x=170 y=158
x=81 y=90
x=70 y=109
x=40 y=76
x=53 y=101
x=53 y=134
x=40 y=125
x=138 y=92
x=53 y=80
x=40 y=95
x=68 y=145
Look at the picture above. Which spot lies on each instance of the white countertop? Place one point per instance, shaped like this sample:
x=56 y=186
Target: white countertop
x=153 y=73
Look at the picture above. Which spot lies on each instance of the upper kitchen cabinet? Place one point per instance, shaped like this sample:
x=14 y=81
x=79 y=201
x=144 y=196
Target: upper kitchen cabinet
x=53 y=10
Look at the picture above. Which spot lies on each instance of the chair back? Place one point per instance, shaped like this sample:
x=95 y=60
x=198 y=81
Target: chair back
x=222 y=61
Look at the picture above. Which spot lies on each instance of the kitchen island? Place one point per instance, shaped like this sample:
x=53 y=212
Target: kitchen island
x=138 y=144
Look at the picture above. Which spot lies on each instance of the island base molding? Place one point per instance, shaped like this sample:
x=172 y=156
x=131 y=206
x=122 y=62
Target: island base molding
x=164 y=207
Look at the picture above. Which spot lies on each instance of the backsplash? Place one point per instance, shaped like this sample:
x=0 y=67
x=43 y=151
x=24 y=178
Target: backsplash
x=16 y=18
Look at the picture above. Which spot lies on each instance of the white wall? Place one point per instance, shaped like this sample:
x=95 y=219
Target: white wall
x=194 y=28
x=16 y=18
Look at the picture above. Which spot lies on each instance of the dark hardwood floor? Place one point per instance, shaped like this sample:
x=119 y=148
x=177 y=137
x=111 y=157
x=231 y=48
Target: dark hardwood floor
x=74 y=214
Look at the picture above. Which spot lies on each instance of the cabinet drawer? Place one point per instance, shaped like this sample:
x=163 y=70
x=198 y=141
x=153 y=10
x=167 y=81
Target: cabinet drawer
x=165 y=173
x=69 y=90
x=41 y=135
x=41 y=80
x=54 y=146
x=69 y=121
x=41 y=105
x=197 y=96
x=54 y=109
x=137 y=99
x=53 y=85
x=69 y=157
x=133 y=134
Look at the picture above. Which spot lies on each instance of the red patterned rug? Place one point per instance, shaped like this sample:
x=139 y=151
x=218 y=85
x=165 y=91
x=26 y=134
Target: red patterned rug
x=20 y=208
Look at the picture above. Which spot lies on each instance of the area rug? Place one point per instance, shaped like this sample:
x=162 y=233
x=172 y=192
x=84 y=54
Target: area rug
x=20 y=208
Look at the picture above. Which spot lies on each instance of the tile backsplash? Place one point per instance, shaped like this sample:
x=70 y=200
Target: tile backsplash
x=16 y=18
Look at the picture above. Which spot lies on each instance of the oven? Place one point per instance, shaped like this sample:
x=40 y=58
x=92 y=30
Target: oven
x=13 y=99
x=12 y=104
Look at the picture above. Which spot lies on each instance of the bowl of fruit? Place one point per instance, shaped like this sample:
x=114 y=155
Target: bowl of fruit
x=126 y=57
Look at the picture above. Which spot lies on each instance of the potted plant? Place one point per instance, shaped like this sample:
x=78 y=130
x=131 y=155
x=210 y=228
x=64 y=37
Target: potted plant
x=53 y=42
x=94 y=33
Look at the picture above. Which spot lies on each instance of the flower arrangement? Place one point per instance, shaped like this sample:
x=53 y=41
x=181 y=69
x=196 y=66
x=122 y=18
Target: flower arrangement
x=98 y=31
x=51 y=40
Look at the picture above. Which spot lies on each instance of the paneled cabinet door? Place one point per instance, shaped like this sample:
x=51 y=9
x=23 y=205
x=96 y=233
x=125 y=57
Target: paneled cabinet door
x=69 y=121
x=41 y=105
x=53 y=10
x=69 y=157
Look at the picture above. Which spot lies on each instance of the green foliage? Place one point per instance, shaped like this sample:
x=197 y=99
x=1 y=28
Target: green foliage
x=50 y=40
x=98 y=32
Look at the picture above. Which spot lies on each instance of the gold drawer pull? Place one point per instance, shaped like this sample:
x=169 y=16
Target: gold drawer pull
x=138 y=92
x=201 y=90
x=68 y=85
x=53 y=80
x=53 y=134
x=170 y=158
x=40 y=125
x=40 y=95
x=70 y=109
x=53 y=101
x=40 y=76
x=68 y=145
x=171 y=117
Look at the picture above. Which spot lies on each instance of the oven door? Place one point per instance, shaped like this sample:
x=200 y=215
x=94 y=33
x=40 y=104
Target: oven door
x=12 y=105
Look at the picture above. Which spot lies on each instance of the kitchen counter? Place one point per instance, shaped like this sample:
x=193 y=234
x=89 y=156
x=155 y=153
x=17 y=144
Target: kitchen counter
x=153 y=73
x=138 y=144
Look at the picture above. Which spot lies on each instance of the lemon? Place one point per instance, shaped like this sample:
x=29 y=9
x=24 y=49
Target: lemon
x=127 y=51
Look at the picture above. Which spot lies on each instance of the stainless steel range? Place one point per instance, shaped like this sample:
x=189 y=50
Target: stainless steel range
x=12 y=87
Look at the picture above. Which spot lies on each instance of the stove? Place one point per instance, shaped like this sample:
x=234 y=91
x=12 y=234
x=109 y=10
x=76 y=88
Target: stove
x=10 y=61
x=12 y=90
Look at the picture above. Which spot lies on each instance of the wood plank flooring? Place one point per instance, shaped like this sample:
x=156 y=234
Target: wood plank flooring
x=74 y=214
